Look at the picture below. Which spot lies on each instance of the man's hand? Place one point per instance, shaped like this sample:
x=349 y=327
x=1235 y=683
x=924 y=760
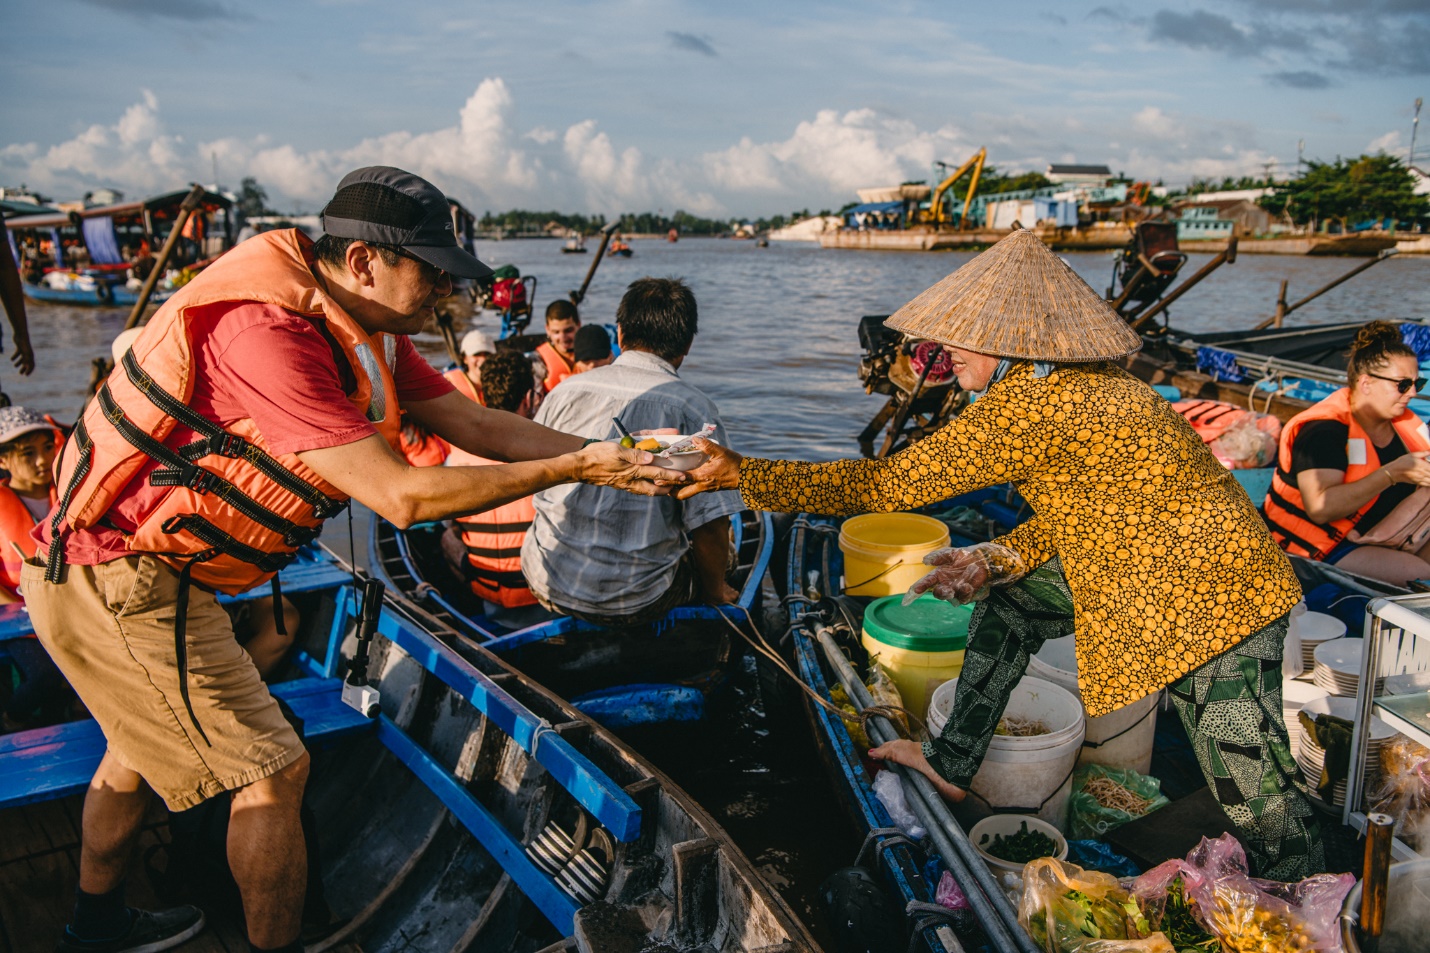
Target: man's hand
x=727 y=595
x=720 y=472
x=911 y=755
x=610 y=464
x=24 y=356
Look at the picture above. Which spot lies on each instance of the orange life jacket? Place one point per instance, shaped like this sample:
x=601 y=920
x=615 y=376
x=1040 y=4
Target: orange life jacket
x=15 y=526
x=557 y=367
x=235 y=514
x=1285 y=509
x=459 y=379
x=493 y=538
x=1212 y=418
x=422 y=449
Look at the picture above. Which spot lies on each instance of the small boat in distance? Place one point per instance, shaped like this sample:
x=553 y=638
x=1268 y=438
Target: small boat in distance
x=672 y=236
x=100 y=255
x=618 y=249
x=575 y=245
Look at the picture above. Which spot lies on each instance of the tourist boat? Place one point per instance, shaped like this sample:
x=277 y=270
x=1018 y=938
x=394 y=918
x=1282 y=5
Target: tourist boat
x=618 y=249
x=661 y=673
x=110 y=236
x=474 y=809
x=575 y=245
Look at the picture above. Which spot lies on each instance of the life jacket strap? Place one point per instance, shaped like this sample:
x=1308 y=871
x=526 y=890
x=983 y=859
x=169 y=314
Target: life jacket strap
x=223 y=544
x=222 y=443
x=55 y=559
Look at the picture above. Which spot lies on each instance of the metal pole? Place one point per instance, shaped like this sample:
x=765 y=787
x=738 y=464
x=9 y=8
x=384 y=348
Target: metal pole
x=1226 y=257
x=191 y=202
x=1414 y=129
x=989 y=902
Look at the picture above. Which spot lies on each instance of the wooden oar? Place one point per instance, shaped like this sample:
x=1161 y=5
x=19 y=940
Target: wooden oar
x=580 y=293
x=449 y=335
x=190 y=203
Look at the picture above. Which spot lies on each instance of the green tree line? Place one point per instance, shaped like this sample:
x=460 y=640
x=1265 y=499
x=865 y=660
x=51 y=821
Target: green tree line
x=1349 y=191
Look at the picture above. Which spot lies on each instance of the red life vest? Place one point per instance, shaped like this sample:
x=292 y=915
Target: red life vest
x=1292 y=529
x=493 y=538
x=15 y=526
x=236 y=513
x=557 y=367
x=1212 y=418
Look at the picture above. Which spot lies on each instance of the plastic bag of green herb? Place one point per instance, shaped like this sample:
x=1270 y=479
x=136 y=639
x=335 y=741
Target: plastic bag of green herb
x=1105 y=798
x=1066 y=909
x=1020 y=846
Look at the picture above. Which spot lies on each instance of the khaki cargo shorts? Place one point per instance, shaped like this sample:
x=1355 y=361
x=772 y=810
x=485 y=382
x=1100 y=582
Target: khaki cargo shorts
x=110 y=629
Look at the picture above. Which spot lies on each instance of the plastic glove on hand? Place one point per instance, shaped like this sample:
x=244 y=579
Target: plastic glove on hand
x=963 y=574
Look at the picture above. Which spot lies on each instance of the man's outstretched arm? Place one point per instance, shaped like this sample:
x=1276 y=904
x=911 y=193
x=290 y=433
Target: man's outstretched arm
x=494 y=434
x=369 y=472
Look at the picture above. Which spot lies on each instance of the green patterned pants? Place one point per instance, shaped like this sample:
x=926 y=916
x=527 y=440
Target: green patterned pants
x=1230 y=708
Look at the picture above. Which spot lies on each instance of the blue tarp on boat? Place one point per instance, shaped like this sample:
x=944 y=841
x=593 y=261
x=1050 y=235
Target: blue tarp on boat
x=101 y=241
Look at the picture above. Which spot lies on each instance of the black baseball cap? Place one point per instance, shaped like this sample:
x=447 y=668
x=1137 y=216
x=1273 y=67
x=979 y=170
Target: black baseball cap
x=392 y=207
x=592 y=343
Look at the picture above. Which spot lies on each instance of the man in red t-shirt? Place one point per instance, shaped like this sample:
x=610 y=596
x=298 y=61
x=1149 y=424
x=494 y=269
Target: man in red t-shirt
x=108 y=618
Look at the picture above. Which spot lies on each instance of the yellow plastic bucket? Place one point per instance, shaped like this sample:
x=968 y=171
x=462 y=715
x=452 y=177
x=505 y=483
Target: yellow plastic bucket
x=884 y=552
x=920 y=645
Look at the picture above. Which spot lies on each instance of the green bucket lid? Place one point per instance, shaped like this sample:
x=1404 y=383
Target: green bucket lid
x=927 y=625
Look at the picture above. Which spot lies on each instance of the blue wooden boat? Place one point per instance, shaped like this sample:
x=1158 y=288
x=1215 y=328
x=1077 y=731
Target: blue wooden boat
x=105 y=293
x=475 y=811
x=640 y=675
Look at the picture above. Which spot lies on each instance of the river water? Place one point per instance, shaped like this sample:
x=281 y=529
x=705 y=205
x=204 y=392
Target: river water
x=778 y=352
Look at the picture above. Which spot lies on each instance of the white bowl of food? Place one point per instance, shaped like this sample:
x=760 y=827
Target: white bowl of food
x=685 y=457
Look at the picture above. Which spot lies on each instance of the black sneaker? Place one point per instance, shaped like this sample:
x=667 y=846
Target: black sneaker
x=149 y=933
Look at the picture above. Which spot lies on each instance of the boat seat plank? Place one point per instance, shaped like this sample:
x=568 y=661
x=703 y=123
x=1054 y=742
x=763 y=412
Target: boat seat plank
x=46 y=763
x=309 y=572
x=540 y=889
x=592 y=789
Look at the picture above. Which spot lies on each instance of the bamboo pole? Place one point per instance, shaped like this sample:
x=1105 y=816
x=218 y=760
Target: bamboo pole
x=579 y=294
x=1225 y=258
x=191 y=202
x=449 y=335
x=987 y=899
x=1275 y=319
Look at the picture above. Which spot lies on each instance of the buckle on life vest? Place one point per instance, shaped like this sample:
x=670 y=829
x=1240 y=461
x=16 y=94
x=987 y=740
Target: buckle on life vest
x=328 y=509
x=228 y=445
x=191 y=475
x=301 y=536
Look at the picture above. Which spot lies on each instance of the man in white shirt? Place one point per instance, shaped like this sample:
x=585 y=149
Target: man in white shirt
x=612 y=561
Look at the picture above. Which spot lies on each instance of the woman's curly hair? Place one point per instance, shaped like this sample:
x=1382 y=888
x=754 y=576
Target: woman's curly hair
x=1375 y=344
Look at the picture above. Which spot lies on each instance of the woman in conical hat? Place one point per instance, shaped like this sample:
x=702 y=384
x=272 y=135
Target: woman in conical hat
x=1141 y=542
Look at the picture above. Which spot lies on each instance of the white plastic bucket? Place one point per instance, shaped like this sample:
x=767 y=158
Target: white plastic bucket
x=1020 y=774
x=1119 y=739
x=1007 y=824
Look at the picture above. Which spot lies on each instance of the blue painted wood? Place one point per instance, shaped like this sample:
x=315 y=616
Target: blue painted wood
x=311 y=571
x=45 y=763
x=540 y=889
x=643 y=704
x=591 y=788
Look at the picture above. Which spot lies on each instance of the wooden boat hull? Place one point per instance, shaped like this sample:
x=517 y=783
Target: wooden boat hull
x=447 y=822
x=102 y=296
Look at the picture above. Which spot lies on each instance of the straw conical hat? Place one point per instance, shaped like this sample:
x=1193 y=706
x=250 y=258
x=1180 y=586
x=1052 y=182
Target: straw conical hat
x=1019 y=300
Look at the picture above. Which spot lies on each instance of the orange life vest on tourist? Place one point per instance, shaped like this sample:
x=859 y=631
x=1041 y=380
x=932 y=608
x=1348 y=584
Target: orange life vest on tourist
x=15 y=526
x=557 y=367
x=1292 y=529
x=422 y=449
x=493 y=538
x=459 y=379
x=235 y=514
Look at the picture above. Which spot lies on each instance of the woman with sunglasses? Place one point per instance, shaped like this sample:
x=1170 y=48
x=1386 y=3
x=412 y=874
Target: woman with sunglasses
x=1352 y=482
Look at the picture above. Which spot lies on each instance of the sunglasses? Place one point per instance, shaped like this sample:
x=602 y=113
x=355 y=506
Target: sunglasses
x=1402 y=384
x=430 y=272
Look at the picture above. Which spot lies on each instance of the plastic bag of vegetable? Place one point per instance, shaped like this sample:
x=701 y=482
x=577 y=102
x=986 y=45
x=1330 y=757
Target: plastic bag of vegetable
x=1105 y=798
x=1066 y=909
x=1245 y=914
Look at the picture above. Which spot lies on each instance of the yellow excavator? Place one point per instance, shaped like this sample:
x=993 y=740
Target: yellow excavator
x=935 y=214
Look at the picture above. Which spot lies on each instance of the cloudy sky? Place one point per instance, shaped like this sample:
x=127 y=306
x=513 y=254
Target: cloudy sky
x=732 y=108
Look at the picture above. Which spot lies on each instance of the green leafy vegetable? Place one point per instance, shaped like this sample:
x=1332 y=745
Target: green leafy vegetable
x=1019 y=847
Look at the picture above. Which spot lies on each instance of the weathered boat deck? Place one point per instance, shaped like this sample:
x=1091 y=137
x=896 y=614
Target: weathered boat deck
x=39 y=868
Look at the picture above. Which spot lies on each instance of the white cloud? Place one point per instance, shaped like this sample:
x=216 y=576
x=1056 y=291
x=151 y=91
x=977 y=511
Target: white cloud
x=1388 y=143
x=490 y=160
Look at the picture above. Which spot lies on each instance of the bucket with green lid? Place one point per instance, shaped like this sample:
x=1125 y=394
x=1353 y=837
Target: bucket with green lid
x=920 y=645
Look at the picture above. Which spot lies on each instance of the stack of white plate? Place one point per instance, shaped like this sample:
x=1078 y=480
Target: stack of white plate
x=1294 y=695
x=1311 y=757
x=1338 y=667
x=1315 y=628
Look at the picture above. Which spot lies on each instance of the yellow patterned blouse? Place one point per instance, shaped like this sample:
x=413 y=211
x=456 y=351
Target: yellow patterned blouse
x=1168 y=561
